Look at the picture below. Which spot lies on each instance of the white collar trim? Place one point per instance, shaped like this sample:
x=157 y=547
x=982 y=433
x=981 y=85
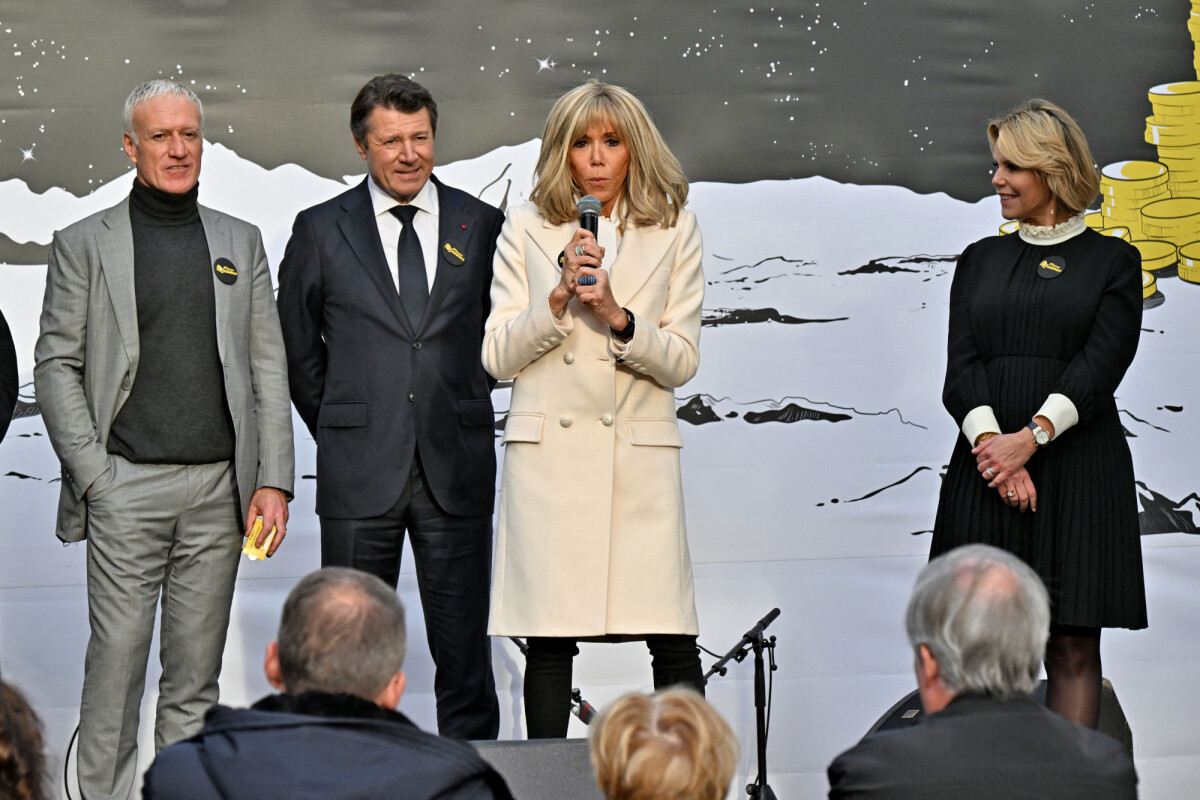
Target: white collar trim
x=1054 y=234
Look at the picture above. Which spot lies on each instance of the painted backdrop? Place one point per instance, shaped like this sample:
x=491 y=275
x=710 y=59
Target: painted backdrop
x=840 y=165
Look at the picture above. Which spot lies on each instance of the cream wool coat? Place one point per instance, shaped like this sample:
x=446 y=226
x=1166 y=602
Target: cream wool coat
x=591 y=538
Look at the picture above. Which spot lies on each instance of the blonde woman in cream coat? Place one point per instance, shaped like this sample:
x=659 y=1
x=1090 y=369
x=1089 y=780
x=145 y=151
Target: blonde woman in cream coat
x=592 y=542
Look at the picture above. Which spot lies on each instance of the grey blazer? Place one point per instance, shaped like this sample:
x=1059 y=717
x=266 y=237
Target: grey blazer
x=86 y=357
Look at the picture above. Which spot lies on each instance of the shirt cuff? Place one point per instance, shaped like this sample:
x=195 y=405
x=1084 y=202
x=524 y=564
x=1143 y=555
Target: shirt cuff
x=1061 y=412
x=980 y=420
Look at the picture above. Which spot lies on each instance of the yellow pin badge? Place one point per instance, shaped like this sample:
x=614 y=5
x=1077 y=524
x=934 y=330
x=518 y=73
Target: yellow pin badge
x=453 y=253
x=258 y=553
x=226 y=272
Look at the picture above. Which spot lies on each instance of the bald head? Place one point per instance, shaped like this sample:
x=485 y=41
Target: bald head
x=342 y=630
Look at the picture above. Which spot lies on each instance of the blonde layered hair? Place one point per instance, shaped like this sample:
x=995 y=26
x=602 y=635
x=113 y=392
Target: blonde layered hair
x=655 y=188
x=1039 y=135
x=664 y=746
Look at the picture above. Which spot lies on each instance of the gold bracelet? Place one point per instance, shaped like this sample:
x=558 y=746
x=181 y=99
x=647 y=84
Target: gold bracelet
x=980 y=439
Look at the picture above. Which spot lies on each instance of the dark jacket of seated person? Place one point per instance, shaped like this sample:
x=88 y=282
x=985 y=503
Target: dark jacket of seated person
x=319 y=745
x=981 y=748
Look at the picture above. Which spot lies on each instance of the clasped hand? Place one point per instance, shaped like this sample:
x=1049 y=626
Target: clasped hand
x=1006 y=455
x=598 y=297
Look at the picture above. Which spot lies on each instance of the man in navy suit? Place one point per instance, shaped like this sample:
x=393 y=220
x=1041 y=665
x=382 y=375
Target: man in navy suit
x=383 y=293
x=978 y=621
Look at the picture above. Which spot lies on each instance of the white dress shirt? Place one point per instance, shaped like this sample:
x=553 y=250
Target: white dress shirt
x=425 y=222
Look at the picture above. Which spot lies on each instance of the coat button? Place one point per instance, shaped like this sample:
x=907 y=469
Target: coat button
x=565 y=422
x=569 y=358
x=607 y=419
x=125 y=383
x=410 y=397
x=416 y=345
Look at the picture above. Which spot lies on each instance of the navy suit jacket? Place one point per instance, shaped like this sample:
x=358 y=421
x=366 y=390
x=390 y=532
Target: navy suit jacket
x=985 y=749
x=372 y=387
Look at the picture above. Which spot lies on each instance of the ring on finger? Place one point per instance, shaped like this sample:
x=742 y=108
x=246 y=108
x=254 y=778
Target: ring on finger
x=579 y=250
x=1010 y=493
x=989 y=472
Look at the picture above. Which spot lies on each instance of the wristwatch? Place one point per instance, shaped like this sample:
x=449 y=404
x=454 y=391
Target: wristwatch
x=1041 y=436
x=625 y=333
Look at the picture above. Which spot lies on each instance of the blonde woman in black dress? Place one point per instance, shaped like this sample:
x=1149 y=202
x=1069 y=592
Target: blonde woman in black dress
x=1043 y=326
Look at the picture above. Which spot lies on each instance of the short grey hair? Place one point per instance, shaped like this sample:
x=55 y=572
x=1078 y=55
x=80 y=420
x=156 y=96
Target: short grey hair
x=342 y=630
x=158 y=88
x=985 y=616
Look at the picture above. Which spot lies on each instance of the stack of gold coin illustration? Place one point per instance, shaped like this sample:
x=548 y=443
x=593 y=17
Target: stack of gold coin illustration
x=1175 y=220
x=1094 y=220
x=1012 y=226
x=1156 y=255
x=1125 y=187
x=1174 y=129
x=1189 y=263
x=1119 y=232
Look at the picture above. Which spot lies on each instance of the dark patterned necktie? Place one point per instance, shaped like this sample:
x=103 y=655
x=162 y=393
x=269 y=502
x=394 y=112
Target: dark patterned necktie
x=410 y=266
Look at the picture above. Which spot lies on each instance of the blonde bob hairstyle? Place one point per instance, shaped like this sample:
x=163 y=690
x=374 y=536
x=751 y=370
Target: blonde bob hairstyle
x=664 y=746
x=655 y=187
x=1039 y=135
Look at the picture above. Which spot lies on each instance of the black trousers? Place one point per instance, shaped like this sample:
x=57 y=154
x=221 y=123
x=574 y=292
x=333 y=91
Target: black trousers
x=454 y=569
x=674 y=659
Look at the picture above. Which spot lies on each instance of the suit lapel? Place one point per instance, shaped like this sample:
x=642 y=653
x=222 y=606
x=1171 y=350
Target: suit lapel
x=115 y=245
x=358 y=226
x=455 y=229
x=220 y=245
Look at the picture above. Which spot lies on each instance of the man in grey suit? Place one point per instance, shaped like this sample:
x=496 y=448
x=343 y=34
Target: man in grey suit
x=978 y=621
x=162 y=380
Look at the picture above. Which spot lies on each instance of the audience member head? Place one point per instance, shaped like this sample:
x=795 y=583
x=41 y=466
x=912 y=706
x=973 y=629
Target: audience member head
x=1040 y=136
x=343 y=631
x=655 y=187
x=978 y=621
x=671 y=745
x=22 y=761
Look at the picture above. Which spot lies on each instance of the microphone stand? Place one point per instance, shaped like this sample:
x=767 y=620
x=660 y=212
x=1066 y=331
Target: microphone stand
x=754 y=640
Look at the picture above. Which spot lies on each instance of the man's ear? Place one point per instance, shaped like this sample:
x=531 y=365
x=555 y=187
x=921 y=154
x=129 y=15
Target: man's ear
x=271 y=667
x=928 y=672
x=390 y=696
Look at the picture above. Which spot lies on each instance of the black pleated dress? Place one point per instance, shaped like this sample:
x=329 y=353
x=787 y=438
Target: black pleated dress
x=1015 y=338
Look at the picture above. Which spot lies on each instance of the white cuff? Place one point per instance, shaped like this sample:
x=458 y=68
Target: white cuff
x=980 y=420
x=1061 y=412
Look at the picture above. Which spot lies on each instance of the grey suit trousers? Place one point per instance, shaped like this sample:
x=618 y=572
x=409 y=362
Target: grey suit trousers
x=169 y=530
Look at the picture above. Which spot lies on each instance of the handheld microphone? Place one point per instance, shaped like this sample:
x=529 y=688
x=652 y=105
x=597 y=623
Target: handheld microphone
x=589 y=220
x=589 y=214
x=582 y=708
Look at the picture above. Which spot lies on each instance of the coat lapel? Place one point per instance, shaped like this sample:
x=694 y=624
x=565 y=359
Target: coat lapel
x=358 y=226
x=642 y=250
x=220 y=245
x=455 y=229
x=115 y=245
